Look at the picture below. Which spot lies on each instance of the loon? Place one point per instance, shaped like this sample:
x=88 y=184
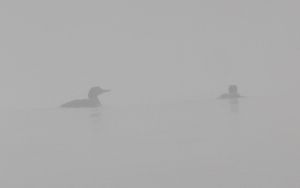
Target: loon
x=232 y=93
x=91 y=102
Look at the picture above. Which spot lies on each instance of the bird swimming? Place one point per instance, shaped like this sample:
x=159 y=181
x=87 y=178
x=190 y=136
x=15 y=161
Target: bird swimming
x=232 y=93
x=91 y=102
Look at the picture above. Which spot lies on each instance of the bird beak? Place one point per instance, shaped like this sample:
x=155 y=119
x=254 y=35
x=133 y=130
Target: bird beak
x=105 y=90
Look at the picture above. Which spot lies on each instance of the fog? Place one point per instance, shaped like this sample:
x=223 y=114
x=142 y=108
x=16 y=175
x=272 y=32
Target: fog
x=165 y=63
x=190 y=144
x=147 y=52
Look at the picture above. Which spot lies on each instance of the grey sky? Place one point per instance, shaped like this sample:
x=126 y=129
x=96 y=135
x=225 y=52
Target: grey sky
x=146 y=51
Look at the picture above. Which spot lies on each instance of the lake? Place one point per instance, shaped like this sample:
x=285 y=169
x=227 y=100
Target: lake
x=250 y=143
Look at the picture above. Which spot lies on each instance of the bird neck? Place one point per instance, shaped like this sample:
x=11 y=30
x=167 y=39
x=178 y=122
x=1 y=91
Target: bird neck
x=94 y=98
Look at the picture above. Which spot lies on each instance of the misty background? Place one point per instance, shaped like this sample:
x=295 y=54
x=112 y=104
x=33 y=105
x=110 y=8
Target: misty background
x=146 y=51
x=176 y=57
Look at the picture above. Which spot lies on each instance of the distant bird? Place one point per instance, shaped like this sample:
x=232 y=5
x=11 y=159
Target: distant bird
x=232 y=93
x=91 y=102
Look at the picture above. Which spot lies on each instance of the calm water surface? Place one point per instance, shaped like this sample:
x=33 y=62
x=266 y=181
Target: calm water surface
x=212 y=144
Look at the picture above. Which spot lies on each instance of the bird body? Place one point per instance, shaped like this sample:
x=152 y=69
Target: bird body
x=91 y=102
x=232 y=93
x=230 y=96
x=82 y=103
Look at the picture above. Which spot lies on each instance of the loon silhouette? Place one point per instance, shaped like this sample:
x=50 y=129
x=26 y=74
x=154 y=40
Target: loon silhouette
x=91 y=102
x=232 y=93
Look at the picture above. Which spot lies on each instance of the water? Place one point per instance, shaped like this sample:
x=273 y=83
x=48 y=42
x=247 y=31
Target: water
x=213 y=144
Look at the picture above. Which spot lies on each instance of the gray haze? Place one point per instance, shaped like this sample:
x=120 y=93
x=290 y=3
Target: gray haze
x=191 y=144
x=146 y=51
x=161 y=126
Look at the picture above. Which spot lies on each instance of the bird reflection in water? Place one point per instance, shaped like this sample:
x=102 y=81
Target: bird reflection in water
x=233 y=97
x=234 y=105
x=95 y=115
